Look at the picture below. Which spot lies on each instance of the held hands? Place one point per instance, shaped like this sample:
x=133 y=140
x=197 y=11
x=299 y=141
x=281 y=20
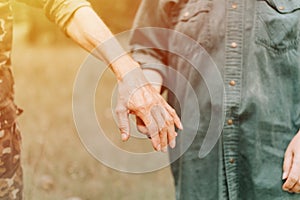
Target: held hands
x=291 y=166
x=155 y=117
x=136 y=95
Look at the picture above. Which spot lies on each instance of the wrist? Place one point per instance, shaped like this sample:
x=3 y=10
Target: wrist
x=123 y=66
x=154 y=78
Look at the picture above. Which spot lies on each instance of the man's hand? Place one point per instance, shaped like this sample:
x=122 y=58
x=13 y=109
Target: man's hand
x=138 y=97
x=291 y=166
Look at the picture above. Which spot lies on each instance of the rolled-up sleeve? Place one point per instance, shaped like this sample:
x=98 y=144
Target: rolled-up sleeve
x=149 y=39
x=58 y=11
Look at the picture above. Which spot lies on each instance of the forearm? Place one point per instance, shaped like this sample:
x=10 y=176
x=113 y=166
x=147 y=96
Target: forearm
x=154 y=78
x=90 y=32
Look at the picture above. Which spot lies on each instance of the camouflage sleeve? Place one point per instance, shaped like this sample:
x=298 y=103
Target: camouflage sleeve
x=58 y=11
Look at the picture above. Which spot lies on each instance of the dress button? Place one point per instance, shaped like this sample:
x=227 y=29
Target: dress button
x=234 y=6
x=230 y=122
x=281 y=8
x=231 y=160
x=232 y=83
x=233 y=45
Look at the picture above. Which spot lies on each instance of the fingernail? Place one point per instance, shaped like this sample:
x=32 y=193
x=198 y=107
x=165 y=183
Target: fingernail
x=124 y=136
x=181 y=127
x=176 y=134
x=173 y=144
x=164 y=149
x=284 y=175
x=158 y=148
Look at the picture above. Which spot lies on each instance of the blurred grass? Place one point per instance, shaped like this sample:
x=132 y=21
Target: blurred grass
x=45 y=74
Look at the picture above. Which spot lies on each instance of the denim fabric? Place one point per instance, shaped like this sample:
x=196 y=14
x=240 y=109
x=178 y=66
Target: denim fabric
x=255 y=45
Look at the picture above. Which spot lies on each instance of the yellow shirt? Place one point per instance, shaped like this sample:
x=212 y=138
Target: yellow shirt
x=58 y=11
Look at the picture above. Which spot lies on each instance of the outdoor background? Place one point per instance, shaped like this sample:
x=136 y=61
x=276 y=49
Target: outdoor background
x=56 y=165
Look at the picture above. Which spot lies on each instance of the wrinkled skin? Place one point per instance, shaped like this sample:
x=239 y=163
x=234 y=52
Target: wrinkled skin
x=155 y=117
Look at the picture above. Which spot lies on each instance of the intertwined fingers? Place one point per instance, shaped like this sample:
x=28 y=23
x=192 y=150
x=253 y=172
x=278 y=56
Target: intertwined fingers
x=165 y=127
x=155 y=117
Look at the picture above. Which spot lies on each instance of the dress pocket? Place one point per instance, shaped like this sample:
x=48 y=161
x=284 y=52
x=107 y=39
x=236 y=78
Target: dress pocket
x=278 y=24
x=194 y=20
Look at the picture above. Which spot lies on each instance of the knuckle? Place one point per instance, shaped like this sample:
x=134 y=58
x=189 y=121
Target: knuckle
x=123 y=128
x=169 y=122
x=172 y=134
x=163 y=130
x=155 y=141
x=123 y=131
x=293 y=180
x=140 y=109
x=172 y=111
x=154 y=135
x=120 y=110
x=163 y=143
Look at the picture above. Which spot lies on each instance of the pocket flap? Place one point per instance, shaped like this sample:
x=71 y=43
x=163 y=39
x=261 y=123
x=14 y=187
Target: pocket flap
x=192 y=9
x=284 y=6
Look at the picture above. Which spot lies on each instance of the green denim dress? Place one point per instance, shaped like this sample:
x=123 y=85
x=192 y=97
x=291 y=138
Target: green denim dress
x=254 y=44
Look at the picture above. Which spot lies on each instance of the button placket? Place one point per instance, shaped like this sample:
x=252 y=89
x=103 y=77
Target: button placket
x=232 y=75
x=232 y=83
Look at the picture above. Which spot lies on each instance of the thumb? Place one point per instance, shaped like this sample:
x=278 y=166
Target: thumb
x=287 y=163
x=123 y=121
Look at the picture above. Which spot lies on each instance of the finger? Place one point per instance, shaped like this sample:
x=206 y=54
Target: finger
x=152 y=131
x=155 y=140
x=173 y=113
x=171 y=134
x=164 y=139
x=123 y=122
x=162 y=127
x=296 y=188
x=294 y=174
x=141 y=127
